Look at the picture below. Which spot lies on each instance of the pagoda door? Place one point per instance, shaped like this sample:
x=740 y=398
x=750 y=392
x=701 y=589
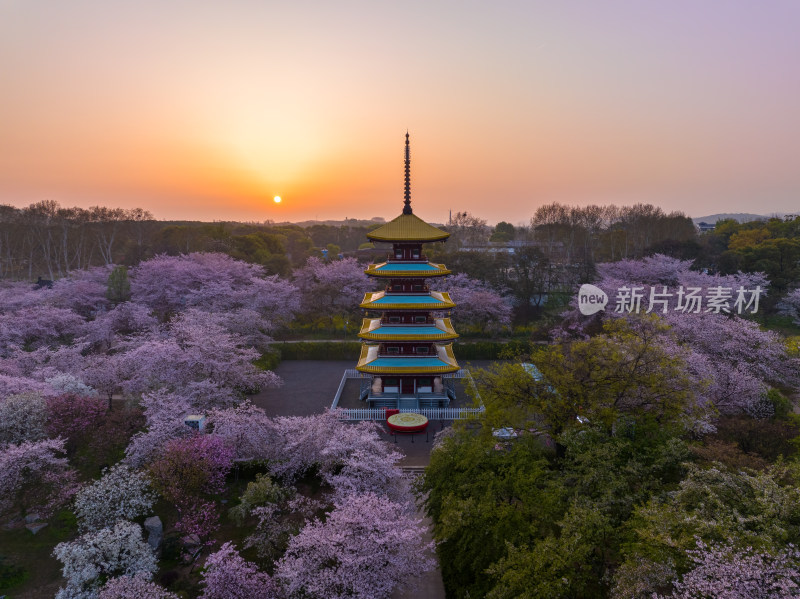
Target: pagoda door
x=407 y=386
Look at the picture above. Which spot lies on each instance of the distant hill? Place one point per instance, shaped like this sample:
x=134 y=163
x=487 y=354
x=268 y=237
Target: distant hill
x=741 y=217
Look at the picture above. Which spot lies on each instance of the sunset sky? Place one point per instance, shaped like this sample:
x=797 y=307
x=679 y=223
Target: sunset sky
x=206 y=110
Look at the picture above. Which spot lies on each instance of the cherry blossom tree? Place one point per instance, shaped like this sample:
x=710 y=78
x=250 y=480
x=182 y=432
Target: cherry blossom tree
x=279 y=521
x=197 y=357
x=735 y=357
x=356 y=460
x=34 y=475
x=137 y=586
x=724 y=572
x=164 y=413
x=14 y=385
x=791 y=305
x=18 y=294
x=120 y=494
x=36 y=326
x=187 y=472
x=22 y=418
x=106 y=373
x=365 y=548
x=114 y=551
x=352 y=458
x=74 y=417
x=67 y=384
x=125 y=320
x=227 y=576
x=477 y=304
x=299 y=445
x=191 y=466
x=216 y=282
x=82 y=291
x=332 y=287
x=50 y=363
x=246 y=428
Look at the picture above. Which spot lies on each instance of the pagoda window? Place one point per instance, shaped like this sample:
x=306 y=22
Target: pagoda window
x=395 y=319
x=391 y=386
x=415 y=253
x=398 y=254
x=420 y=319
x=417 y=287
x=393 y=349
x=422 y=350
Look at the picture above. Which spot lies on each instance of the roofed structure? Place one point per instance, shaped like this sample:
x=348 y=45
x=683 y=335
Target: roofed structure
x=407 y=358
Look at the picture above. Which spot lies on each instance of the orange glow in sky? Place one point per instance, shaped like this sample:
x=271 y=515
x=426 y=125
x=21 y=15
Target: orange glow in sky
x=210 y=110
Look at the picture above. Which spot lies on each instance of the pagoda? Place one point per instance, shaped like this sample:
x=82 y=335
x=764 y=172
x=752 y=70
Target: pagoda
x=407 y=349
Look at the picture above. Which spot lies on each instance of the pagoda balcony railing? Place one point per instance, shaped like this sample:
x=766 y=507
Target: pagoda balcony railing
x=390 y=258
x=403 y=351
x=386 y=322
x=424 y=291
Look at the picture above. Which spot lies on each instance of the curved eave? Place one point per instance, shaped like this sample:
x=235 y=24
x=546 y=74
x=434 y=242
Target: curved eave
x=375 y=270
x=369 y=326
x=371 y=302
x=369 y=362
x=397 y=239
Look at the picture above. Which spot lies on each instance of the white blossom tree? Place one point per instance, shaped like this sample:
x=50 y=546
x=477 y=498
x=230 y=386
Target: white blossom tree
x=121 y=493
x=138 y=586
x=22 y=418
x=114 y=551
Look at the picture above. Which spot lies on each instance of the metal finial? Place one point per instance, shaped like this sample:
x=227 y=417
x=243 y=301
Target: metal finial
x=407 y=207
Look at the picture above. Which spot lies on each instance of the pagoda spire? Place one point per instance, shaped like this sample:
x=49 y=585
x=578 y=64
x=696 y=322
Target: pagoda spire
x=407 y=207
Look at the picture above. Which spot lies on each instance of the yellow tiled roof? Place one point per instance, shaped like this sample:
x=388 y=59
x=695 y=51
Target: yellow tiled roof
x=408 y=227
x=380 y=300
x=371 y=363
x=393 y=270
x=442 y=330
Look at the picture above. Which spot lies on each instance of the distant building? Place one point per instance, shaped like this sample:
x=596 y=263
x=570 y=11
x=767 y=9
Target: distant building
x=704 y=227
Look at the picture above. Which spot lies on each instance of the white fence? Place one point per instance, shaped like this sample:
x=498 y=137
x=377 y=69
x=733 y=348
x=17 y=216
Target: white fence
x=429 y=413
x=350 y=373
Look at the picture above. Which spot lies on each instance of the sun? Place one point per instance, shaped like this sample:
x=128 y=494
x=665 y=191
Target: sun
x=277 y=199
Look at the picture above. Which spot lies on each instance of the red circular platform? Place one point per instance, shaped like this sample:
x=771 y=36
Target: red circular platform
x=407 y=422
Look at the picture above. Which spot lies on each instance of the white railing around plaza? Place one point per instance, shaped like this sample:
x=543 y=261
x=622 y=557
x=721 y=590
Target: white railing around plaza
x=379 y=414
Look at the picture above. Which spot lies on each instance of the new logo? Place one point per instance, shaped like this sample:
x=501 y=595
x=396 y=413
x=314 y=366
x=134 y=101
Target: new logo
x=591 y=299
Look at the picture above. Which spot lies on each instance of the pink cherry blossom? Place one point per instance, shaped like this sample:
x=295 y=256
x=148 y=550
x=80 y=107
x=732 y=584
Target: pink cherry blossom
x=227 y=576
x=365 y=548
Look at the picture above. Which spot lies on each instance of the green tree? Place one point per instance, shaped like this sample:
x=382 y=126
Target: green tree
x=625 y=371
x=119 y=286
x=481 y=499
x=503 y=231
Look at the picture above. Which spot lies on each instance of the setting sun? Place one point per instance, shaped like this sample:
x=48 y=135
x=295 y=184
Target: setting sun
x=277 y=199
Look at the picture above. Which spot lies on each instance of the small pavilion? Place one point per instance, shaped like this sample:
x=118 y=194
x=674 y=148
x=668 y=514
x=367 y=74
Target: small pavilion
x=407 y=350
